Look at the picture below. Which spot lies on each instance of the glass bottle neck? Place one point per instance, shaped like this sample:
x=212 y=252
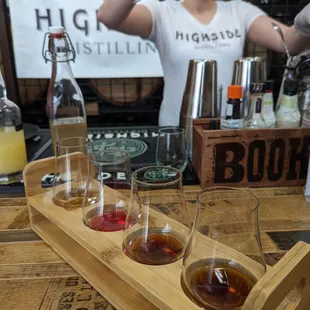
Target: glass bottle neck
x=61 y=68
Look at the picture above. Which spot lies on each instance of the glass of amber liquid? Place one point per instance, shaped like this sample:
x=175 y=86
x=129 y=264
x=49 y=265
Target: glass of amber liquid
x=71 y=172
x=157 y=227
x=107 y=195
x=224 y=257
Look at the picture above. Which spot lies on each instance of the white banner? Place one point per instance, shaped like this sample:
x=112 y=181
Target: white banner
x=101 y=53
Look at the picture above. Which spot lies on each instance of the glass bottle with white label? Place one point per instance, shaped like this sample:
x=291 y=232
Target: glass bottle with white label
x=254 y=118
x=232 y=118
x=304 y=95
x=304 y=102
x=288 y=115
x=13 y=156
x=268 y=106
x=65 y=102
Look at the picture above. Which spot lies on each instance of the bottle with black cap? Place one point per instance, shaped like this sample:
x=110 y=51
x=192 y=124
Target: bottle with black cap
x=254 y=118
x=288 y=115
x=233 y=119
x=268 y=105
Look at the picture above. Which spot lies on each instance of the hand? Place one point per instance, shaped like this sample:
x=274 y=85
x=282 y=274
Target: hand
x=302 y=21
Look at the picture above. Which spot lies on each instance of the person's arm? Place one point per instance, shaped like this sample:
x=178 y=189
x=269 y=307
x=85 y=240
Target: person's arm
x=126 y=17
x=262 y=33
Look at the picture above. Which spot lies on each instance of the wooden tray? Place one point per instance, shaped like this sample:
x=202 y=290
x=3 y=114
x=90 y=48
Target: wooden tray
x=98 y=257
x=250 y=158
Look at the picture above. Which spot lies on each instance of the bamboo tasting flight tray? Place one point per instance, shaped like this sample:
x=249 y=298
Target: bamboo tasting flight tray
x=98 y=257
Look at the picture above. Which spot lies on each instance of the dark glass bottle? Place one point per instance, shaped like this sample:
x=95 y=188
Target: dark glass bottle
x=233 y=119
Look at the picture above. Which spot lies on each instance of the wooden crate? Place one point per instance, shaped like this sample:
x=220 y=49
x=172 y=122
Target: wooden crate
x=250 y=158
x=98 y=257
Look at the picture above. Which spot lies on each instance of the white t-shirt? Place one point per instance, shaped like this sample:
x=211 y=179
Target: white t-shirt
x=180 y=37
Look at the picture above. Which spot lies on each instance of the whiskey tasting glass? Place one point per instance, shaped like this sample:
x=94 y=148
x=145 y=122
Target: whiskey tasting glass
x=171 y=148
x=224 y=257
x=107 y=194
x=71 y=171
x=157 y=226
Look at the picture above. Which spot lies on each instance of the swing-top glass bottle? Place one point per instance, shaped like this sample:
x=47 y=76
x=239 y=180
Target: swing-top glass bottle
x=65 y=102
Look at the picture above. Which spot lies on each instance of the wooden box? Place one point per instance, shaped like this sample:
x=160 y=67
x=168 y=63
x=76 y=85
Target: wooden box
x=250 y=158
x=99 y=258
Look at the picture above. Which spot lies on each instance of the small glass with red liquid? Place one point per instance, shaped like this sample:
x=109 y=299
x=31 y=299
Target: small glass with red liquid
x=109 y=174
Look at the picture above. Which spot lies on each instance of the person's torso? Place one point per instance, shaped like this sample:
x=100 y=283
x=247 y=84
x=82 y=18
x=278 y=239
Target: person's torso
x=183 y=37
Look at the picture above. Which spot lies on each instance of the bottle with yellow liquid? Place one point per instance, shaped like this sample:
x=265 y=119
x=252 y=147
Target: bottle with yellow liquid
x=13 y=156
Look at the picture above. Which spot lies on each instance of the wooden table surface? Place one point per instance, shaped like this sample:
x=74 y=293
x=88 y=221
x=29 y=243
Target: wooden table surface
x=33 y=276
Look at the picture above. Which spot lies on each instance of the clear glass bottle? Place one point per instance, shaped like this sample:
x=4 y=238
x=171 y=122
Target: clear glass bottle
x=232 y=118
x=304 y=101
x=13 y=156
x=288 y=115
x=287 y=75
x=254 y=118
x=304 y=95
x=65 y=102
x=268 y=106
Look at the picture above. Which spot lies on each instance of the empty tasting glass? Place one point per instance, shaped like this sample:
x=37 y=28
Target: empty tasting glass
x=224 y=257
x=108 y=189
x=171 y=148
x=157 y=226
x=71 y=171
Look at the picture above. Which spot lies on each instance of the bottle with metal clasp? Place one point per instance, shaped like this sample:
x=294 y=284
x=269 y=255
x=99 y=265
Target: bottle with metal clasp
x=65 y=102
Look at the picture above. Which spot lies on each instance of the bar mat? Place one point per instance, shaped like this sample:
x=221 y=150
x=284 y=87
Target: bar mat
x=287 y=239
x=146 y=135
x=273 y=258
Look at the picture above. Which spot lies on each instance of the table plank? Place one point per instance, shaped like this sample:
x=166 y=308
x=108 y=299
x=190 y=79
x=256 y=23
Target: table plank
x=33 y=276
x=18 y=235
x=8 y=202
x=14 y=217
x=51 y=294
x=14 y=221
x=27 y=253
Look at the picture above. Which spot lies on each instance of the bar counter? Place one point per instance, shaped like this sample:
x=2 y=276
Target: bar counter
x=33 y=276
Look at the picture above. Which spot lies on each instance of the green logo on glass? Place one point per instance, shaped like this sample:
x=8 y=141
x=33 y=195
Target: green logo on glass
x=133 y=147
x=158 y=174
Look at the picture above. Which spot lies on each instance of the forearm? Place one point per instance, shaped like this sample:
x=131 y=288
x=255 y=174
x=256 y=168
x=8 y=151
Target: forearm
x=114 y=12
x=295 y=41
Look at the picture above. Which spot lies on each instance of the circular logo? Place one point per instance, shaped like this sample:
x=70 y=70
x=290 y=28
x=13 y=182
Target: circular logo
x=131 y=146
x=159 y=174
